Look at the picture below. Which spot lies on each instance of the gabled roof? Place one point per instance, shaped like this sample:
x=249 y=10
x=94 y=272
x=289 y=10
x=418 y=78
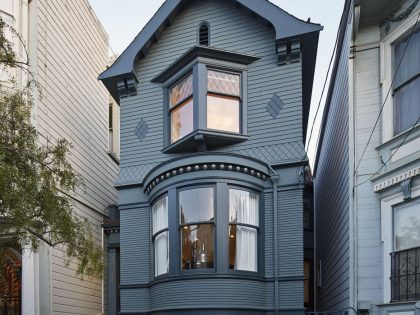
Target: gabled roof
x=285 y=25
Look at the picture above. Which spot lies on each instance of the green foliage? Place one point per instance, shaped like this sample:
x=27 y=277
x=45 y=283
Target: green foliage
x=37 y=182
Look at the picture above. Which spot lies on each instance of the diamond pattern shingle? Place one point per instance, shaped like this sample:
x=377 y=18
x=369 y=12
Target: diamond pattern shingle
x=141 y=130
x=274 y=106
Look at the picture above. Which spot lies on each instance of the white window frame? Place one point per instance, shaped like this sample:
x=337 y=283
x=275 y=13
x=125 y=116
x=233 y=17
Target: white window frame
x=386 y=72
x=387 y=237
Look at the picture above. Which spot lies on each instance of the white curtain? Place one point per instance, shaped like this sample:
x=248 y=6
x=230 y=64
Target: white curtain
x=243 y=208
x=160 y=222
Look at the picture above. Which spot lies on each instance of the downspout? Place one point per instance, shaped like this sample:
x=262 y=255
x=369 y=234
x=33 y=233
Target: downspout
x=315 y=269
x=275 y=180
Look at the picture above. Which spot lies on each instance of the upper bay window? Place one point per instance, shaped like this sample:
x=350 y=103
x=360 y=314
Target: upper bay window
x=407 y=82
x=205 y=100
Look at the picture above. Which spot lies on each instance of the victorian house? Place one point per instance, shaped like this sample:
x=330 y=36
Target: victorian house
x=214 y=190
x=367 y=183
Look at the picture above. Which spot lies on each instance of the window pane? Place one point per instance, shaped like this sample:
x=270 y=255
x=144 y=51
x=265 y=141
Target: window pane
x=182 y=120
x=407 y=225
x=223 y=113
x=243 y=207
x=197 y=246
x=181 y=90
x=406 y=106
x=161 y=253
x=410 y=62
x=160 y=215
x=243 y=248
x=223 y=83
x=196 y=205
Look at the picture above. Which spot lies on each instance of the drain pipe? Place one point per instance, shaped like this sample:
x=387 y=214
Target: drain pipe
x=275 y=180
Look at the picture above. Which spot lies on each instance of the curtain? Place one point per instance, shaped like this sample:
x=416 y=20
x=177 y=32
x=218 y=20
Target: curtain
x=243 y=208
x=160 y=222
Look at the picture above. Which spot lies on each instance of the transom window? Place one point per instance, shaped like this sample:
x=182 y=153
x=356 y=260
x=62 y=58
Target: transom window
x=208 y=232
x=407 y=225
x=407 y=82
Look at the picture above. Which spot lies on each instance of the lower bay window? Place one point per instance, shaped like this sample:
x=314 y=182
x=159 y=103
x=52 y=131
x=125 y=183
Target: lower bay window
x=216 y=230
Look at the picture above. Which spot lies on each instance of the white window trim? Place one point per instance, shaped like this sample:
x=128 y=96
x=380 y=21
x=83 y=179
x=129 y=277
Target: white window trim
x=386 y=63
x=387 y=205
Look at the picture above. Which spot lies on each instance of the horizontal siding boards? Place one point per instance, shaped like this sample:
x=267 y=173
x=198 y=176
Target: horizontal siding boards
x=332 y=194
x=208 y=293
x=291 y=295
x=368 y=100
x=135 y=242
x=135 y=300
x=74 y=106
x=232 y=29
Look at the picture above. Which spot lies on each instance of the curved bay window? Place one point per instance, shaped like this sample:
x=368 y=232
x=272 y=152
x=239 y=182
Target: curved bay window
x=161 y=236
x=243 y=230
x=181 y=108
x=197 y=223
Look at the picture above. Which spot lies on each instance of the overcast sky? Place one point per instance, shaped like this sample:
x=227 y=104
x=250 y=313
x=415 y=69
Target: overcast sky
x=123 y=20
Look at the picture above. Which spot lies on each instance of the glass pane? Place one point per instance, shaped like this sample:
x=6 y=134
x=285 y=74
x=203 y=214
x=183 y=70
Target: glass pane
x=243 y=248
x=196 y=205
x=197 y=246
x=406 y=106
x=410 y=62
x=243 y=207
x=407 y=225
x=182 y=120
x=160 y=215
x=181 y=90
x=161 y=253
x=223 y=113
x=223 y=83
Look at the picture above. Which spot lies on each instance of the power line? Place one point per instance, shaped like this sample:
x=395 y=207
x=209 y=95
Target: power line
x=386 y=162
x=387 y=94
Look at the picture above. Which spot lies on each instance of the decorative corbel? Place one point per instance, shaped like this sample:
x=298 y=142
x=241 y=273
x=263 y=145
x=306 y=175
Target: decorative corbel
x=406 y=188
x=288 y=51
x=127 y=86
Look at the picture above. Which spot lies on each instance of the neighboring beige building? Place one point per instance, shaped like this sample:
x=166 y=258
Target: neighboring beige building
x=67 y=48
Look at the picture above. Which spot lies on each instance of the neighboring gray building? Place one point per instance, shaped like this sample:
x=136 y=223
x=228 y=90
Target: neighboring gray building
x=367 y=183
x=214 y=192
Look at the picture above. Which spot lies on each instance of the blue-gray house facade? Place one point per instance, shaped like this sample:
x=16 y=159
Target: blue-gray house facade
x=214 y=189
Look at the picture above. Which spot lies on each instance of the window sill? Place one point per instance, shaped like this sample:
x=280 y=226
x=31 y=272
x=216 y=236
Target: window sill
x=202 y=140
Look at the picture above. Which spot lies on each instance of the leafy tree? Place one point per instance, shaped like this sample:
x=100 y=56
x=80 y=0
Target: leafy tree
x=36 y=180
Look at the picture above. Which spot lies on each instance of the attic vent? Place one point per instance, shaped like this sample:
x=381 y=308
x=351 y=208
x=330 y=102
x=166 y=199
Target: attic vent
x=203 y=34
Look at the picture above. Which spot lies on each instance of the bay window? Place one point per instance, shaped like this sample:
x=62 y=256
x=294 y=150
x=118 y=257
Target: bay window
x=160 y=236
x=407 y=82
x=213 y=228
x=205 y=99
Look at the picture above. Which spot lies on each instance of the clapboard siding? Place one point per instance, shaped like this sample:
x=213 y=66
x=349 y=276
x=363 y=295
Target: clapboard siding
x=74 y=106
x=367 y=104
x=135 y=242
x=233 y=29
x=332 y=188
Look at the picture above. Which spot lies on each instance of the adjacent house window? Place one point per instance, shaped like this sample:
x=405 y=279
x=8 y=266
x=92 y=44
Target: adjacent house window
x=114 y=129
x=407 y=225
x=243 y=230
x=407 y=82
x=223 y=101
x=181 y=108
x=160 y=236
x=196 y=216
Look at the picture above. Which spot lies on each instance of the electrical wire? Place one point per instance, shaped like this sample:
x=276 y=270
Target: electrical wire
x=387 y=94
x=386 y=162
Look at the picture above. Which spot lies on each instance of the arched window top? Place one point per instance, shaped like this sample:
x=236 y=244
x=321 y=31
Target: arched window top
x=204 y=34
